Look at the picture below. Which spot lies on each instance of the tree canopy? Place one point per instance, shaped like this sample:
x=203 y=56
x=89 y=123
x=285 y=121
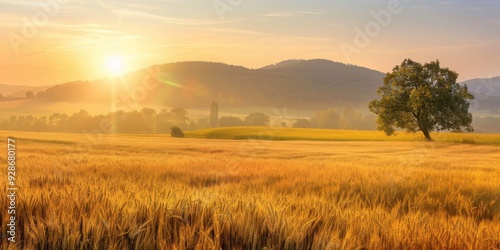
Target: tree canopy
x=175 y=131
x=214 y=114
x=326 y=119
x=423 y=98
x=30 y=95
x=257 y=119
x=230 y=121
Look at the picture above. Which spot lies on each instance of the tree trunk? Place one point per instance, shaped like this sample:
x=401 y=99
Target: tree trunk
x=426 y=134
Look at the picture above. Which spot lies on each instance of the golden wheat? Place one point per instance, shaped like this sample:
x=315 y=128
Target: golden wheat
x=155 y=192
x=280 y=134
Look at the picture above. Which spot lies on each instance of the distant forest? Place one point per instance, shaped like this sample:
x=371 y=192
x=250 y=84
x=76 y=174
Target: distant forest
x=149 y=120
x=298 y=84
x=307 y=85
x=29 y=95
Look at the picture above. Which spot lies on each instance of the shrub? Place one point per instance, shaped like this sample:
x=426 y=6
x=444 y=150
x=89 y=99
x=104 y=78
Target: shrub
x=176 y=132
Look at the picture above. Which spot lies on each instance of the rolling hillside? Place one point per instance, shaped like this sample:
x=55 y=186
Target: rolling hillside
x=301 y=84
x=301 y=134
x=307 y=85
x=20 y=91
x=487 y=93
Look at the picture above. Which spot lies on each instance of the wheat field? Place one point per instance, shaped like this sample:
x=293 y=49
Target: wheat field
x=156 y=192
x=308 y=134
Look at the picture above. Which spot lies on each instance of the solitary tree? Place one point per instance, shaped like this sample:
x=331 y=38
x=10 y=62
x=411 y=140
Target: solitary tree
x=30 y=95
x=257 y=119
x=423 y=98
x=40 y=95
x=179 y=116
x=214 y=114
x=149 y=120
x=326 y=119
x=230 y=121
x=164 y=120
x=302 y=123
x=175 y=131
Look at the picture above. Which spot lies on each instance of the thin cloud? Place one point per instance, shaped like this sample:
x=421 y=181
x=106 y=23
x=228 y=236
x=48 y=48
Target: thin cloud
x=21 y=3
x=310 y=12
x=236 y=31
x=178 y=21
x=280 y=14
x=440 y=48
x=9 y=20
x=33 y=53
x=290 y=13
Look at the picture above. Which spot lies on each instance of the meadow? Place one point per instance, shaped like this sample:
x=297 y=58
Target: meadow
x=291 y=134
x=155 y=192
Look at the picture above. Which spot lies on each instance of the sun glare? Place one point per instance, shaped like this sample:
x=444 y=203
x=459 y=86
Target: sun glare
x=115 y=65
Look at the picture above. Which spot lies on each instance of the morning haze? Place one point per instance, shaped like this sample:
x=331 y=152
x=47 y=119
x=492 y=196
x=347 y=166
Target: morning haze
x=74 y=40
x=238 y=124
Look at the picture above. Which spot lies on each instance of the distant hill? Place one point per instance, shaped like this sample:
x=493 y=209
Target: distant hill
x=487 y=94
x=301 y=84
x=484 y=86
x=307 y=85
x=20 y=91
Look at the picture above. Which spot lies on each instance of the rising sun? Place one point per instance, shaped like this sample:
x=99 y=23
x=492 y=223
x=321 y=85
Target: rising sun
x=115 y=65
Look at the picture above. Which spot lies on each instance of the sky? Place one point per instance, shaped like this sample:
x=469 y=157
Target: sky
x=45 y=42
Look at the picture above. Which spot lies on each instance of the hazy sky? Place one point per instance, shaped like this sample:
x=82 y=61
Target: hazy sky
x=48 y=42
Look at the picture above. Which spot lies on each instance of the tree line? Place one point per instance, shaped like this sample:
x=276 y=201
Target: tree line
x=29 y=95
x=344 y=118
x=148 y=120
